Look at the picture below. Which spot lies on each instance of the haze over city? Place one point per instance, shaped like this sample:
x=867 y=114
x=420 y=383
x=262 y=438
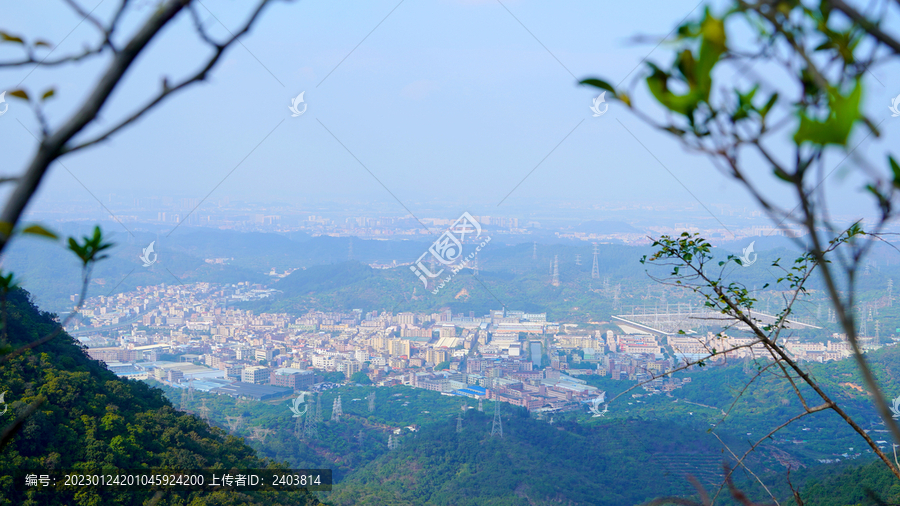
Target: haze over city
x=467 y=252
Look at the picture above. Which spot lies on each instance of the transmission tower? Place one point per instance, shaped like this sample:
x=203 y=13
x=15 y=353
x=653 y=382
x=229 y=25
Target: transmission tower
x=372 y=402
x=480 y=406
x=497 y=427
x=595 y=270
x=555 y=280
x=359 y=438
x=312 y=428
x=459 y=423
x=877 y=333
x=577 y=259
x=204 y=411
x=393 y=443
x=259 y=434
x=336 y=410
x=863 y=330
x=234 y=423
x=319 y=408
x=187 y=395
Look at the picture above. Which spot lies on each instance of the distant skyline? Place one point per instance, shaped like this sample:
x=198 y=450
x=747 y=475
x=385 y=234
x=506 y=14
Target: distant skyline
x=449 y=106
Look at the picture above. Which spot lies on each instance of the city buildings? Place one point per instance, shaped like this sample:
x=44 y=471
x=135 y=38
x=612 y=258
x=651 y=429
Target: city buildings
x=192 y=336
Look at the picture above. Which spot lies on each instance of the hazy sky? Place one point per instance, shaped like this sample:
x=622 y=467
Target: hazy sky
x=445 y=101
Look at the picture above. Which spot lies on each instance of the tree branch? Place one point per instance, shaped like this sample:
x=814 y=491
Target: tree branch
x=867 y=25
x=166 y=89
x=54 y=145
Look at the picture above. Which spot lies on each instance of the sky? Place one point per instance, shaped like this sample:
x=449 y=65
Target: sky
x=444 y=105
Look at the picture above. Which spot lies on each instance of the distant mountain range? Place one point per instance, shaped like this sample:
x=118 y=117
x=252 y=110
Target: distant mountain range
x=516 y=275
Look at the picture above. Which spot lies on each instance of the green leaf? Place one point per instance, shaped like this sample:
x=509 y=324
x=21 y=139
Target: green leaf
x=47 y=94
x=883 y=203
x=657 y=82
x=599 y=83
x=843 y=114
x=39 y=230
x=89 y=251
x=19 y=94
x=766 y=108
x=895 y=169
x=855 y=229
x=782 y=175
x=8 y=283
x=712 y=46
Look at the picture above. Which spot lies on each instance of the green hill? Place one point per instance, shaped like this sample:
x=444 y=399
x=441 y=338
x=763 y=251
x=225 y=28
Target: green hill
x=350 y=285
x=537 y=463
x=91 y=420
x=616 y=461
x=642 y=449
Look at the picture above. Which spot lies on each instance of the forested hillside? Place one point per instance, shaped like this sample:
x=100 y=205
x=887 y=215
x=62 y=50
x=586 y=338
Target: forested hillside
x=644 y=447
x=89 y=419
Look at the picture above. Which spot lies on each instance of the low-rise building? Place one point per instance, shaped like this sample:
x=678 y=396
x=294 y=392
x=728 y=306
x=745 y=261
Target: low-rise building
x=256 y=374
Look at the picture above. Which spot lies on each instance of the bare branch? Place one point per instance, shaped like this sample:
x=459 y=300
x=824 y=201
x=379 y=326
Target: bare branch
x=850 y=330
x=767 y=436
x=746 y=468
x=867 y=25
x=87 y=16
x=687 y=365
x=741 y=393
x=54 y=145
x=31 y=59
x=168 y=90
